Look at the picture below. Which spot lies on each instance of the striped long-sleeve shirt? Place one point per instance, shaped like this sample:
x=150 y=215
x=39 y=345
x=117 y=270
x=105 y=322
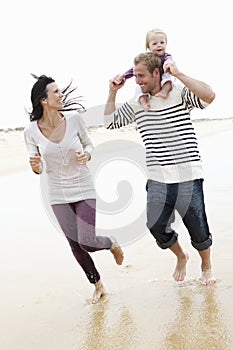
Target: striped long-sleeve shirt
x=172 y=154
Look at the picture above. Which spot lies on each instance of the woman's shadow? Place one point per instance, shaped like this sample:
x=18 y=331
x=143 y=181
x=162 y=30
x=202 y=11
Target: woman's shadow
x=108 y=327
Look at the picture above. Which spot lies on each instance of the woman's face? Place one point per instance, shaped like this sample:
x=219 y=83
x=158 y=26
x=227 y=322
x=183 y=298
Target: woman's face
x=54 y=97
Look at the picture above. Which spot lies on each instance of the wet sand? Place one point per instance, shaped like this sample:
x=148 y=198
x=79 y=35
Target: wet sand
x=44 y=292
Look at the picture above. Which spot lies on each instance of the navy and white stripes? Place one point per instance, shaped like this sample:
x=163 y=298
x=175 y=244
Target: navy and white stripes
x=166 y=129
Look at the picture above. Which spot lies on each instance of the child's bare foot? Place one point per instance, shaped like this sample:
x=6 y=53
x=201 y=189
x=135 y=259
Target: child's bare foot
x=117 y=252
x=144 y=102
x=98 y=293
x=162 y=94
x=180 y=269
x=207 y=278
x=146 y=107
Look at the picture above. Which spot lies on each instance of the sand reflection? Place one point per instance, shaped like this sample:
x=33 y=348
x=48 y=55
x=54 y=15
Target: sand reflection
x=108 y=328
x=198 y=322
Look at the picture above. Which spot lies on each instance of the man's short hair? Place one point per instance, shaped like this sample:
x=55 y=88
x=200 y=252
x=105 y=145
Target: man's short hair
x=151 y=61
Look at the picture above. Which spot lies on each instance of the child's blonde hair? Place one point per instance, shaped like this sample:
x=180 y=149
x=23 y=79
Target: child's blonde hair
x=154 y=31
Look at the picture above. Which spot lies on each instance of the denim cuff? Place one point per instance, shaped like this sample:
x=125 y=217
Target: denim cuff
x=203 y=245
x=170 y=243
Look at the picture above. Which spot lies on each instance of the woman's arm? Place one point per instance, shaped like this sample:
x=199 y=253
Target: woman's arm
x=35 y=160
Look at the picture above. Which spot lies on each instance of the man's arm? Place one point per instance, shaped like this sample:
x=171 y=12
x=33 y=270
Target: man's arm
x=199 y=88
x=114 y=85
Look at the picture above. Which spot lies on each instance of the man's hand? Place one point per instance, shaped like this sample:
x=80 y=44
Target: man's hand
x=170 y=67
x=198 y=87
x=117 y=82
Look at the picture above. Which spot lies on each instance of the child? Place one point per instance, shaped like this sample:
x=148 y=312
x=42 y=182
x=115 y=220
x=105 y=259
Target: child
x=156 y=42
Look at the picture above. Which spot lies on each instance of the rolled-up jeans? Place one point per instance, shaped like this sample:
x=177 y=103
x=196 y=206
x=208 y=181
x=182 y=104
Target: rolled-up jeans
x=188 y=199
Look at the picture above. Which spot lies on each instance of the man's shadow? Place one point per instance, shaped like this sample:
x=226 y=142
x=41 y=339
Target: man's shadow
x=198 y=322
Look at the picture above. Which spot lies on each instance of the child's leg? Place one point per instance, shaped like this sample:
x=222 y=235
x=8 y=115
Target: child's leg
x=144 y=102
x=166 y=88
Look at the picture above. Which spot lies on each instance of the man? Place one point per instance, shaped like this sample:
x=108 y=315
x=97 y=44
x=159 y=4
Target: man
x=173 y=161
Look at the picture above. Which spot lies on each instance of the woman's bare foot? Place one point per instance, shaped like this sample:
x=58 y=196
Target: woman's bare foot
x=207 y=278
x=117 y=252
x=98 y=293
x=180 y=269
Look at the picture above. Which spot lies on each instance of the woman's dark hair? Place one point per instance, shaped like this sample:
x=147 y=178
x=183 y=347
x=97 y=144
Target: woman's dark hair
x=39 y=92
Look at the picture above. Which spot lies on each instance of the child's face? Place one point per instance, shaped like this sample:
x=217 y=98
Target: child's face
x=157 y=44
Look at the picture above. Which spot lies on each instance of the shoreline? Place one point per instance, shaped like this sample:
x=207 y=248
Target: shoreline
x=14 y=154
x=194 y=120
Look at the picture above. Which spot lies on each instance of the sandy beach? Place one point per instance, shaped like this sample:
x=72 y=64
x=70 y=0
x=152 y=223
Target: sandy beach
x=43 y=290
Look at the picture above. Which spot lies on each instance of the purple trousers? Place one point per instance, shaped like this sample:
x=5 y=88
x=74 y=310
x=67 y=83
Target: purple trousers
x=77 y=221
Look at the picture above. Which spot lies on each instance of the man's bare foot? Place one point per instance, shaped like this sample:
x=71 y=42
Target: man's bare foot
x=180 y=269
x=98 y=293
x=117 y=252
x=207 y=278
x=162 y=94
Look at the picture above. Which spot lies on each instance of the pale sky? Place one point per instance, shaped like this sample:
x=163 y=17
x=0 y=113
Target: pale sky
x=91 y=41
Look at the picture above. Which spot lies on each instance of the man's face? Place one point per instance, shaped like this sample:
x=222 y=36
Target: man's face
x=145 y=79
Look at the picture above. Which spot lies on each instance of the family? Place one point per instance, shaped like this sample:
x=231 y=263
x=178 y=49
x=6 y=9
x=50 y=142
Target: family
x=59 y=145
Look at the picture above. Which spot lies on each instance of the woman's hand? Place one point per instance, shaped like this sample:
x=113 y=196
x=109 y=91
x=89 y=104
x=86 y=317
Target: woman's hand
x=35 y=162
x=82 y=157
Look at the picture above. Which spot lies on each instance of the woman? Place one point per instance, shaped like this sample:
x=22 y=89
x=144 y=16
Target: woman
x=59 y=146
